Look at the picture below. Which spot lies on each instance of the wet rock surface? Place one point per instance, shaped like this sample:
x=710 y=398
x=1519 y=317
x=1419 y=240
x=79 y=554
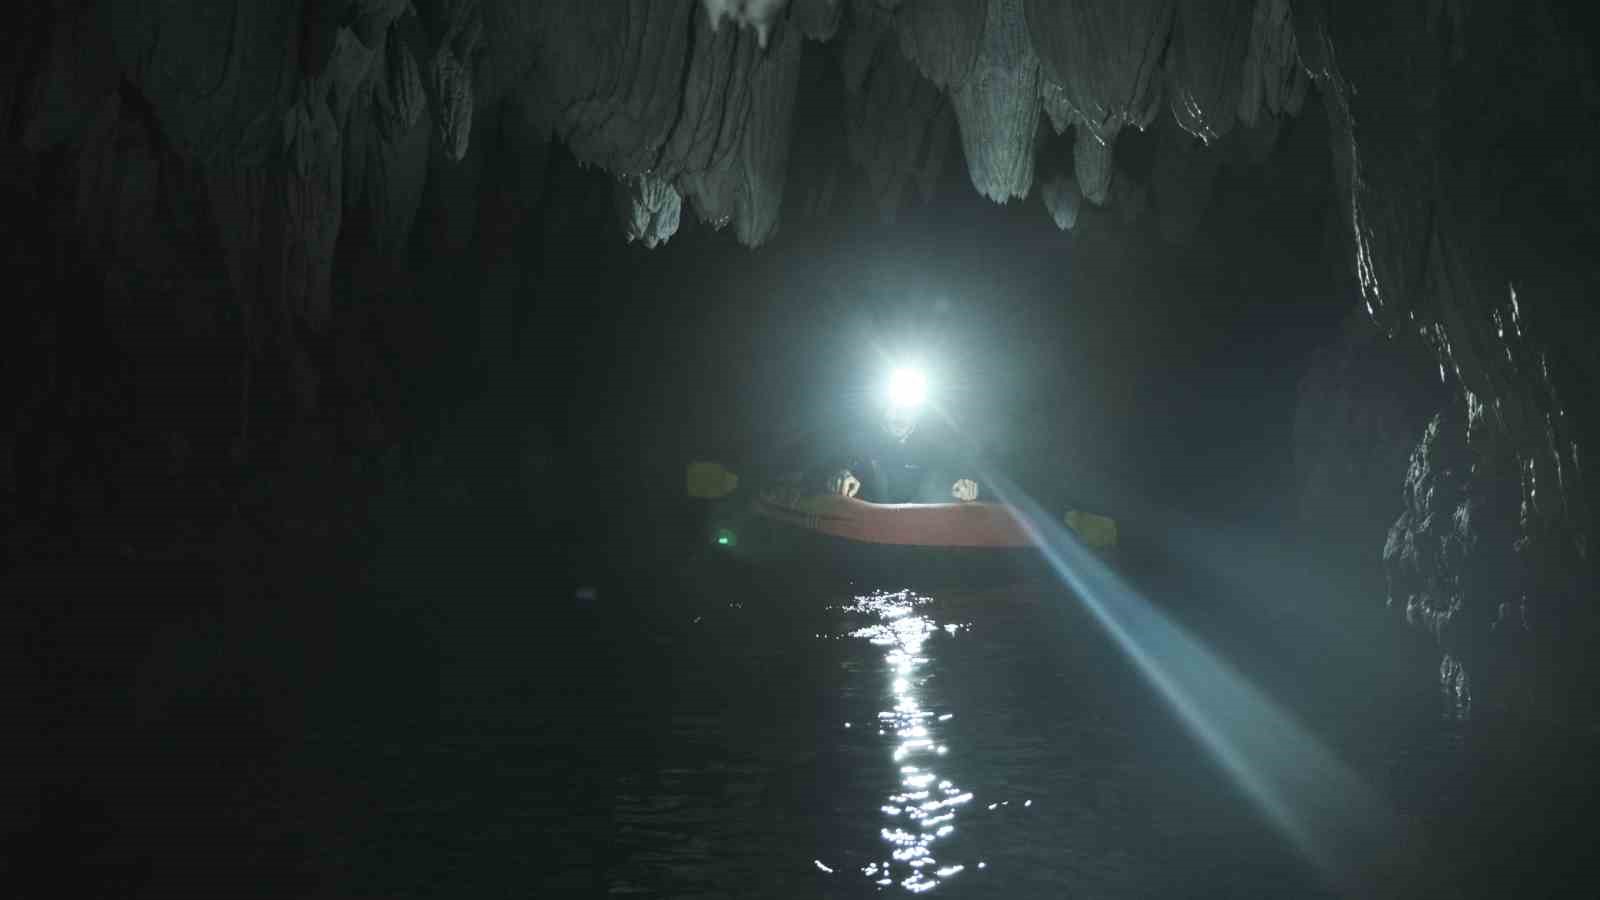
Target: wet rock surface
x=1438 y=261
x=1361 y=406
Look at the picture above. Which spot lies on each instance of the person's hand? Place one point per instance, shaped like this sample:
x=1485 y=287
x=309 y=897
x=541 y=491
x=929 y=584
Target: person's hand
x=965 y=490
x=844 y=483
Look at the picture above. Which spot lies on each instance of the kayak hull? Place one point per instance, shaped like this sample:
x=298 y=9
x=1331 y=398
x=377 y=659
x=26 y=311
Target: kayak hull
x=768 y=545
x=930 y=525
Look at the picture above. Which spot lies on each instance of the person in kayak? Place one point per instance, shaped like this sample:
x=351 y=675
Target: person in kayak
x=903 y=457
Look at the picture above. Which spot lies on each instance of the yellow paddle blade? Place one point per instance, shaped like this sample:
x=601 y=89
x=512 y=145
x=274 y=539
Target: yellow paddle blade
x=710 y=481
x=1098 y=532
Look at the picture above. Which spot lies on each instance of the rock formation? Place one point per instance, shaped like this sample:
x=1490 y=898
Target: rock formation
x=301 y=142
x=1495 y=535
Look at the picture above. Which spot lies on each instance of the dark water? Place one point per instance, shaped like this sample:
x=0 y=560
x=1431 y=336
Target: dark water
x=749 y=733
x=470 y=726
x=970 y=743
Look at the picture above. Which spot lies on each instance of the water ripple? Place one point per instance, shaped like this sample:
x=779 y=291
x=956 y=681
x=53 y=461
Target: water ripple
x=922 y=812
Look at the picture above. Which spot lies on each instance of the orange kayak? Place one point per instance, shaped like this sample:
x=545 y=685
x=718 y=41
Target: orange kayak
x=902 y=524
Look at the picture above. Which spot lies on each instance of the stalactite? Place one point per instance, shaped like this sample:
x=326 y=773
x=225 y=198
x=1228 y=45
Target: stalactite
x=649 y=207
x=456 y=36
x=219 y=75
x=746 y=187
x=892 y=114
x=386 y=143
x=942 y=37
x=716 y=100
x=1272 y=79
x=1205 y=62
x=615 y=79
x=1061 y=198
x=399 y=95
x=1057 y=105
x=1106 y=55
x=997 y=106
x=816 y=19
x=761 y=16
x=1091 y=163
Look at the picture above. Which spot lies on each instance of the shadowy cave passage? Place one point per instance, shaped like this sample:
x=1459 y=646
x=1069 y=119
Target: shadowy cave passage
x=355 y=352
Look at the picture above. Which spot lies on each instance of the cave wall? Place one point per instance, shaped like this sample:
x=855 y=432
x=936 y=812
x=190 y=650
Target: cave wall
x=272 y=175
x=1462 y=199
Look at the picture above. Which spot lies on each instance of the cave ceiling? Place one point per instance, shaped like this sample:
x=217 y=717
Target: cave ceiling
x=279 y=131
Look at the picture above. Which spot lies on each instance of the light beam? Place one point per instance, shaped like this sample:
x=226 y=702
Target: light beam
x=1323 y=807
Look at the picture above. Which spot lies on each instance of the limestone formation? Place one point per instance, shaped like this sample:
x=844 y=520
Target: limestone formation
x=1061 y=198
x=893 y=117
x=1106 y=54
x=942 y=37
x=282 y=136
x=650 y=208
x=1204 y=64
x=998 y=106
x=759 y=15
x=1273 y=80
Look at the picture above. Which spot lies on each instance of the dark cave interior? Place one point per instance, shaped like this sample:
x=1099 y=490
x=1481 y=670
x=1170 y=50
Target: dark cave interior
x=300 y=288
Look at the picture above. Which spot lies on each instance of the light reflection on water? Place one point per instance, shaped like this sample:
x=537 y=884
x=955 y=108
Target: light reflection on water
x=922 y=812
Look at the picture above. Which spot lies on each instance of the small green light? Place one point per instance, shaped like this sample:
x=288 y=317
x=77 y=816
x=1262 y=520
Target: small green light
x=726 y=538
